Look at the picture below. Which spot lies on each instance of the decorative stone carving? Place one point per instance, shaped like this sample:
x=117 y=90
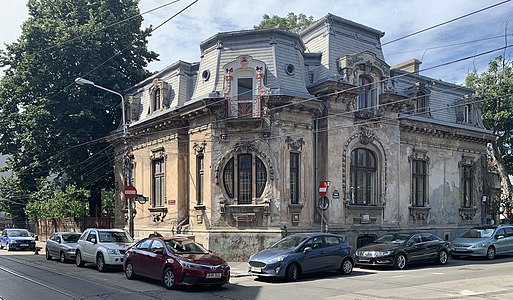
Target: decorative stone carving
x=295 y=145
x=467 y=214
x=419 y=213
x=158 y=213
x=199 y=147
x=158 y=154
x=365 y=135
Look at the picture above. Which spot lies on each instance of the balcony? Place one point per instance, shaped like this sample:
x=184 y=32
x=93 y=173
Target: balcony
x=244 y=107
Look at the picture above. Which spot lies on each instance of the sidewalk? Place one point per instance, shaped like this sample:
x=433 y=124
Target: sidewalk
x=237 y=269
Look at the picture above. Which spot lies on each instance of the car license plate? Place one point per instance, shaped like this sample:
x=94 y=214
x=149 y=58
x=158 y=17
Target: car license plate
x=255 y=269
x=213 y=275
x=23 y=245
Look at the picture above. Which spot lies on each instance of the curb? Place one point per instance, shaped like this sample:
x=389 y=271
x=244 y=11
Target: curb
x=240 y=275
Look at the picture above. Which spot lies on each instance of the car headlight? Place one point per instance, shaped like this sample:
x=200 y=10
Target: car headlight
x=189 y=265
x=71 y=250
x=384 y=253
x=224 y=265
x=113 y=251
x=13 y=242
x=479 y=245
x=276 y=259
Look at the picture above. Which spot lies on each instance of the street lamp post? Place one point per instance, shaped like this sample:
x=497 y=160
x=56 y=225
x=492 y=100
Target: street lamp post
x=85 y=82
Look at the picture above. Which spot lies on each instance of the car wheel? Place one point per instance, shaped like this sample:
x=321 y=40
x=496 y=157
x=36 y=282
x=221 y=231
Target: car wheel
x=346 y=267
x=400 y=262
x=100 y=263
x=442 y=257
x=47 y=254
x=490 y=253
x=292 y=273
x=78 y=259
x=169 y=279
x=129 y=271
x=62 y=257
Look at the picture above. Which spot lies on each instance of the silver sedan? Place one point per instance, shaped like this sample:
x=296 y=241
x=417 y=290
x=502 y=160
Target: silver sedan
x=62 y=245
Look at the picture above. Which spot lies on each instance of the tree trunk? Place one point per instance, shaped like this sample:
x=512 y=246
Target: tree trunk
x=95 y=203
x=507 y=187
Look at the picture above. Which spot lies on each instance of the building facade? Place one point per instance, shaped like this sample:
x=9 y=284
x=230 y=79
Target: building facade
x=231 y=149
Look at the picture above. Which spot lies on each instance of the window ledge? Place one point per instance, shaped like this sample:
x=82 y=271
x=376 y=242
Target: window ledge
x=364 y=207
x=295 y=207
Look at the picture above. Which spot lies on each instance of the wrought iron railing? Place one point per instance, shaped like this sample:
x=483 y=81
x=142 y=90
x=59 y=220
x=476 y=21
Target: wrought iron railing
x=244 y=106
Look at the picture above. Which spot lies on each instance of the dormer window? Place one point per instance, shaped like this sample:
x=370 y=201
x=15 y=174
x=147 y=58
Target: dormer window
x=244 y=86
x=368 y=96
x=158 y=93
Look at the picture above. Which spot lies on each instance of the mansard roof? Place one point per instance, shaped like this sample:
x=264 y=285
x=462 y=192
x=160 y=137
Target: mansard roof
x=333 y=18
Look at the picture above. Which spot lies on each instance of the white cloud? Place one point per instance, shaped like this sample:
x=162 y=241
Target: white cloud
x=179 y=39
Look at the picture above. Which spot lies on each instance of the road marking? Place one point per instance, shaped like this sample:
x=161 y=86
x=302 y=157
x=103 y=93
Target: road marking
x=468 y=293
x=36 y=282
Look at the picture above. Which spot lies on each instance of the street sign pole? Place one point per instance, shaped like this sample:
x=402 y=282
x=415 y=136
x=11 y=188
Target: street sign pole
x=130 y=193
x=323 y=189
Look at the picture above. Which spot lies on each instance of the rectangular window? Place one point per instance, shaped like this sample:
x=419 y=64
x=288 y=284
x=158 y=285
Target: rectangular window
x=467 y=186
x=159 y=186
x=245 y=168
x=199 y=179
x=294 y=178
x=245 y=88
x=418 y=183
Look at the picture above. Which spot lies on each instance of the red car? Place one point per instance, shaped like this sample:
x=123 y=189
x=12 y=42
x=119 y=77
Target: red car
x=175 y=261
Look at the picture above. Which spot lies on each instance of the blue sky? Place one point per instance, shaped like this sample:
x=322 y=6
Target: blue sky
x=179 y=38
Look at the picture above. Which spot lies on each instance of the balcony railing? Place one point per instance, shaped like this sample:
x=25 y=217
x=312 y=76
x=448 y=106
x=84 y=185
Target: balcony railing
x=244 y=106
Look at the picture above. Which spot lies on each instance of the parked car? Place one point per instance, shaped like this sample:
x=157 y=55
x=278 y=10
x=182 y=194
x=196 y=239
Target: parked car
x=62 y=245
x=105 y=247
x=400 y=249
x=17 y=239
x=484 y=241
x=303 y=253
x=176 y=261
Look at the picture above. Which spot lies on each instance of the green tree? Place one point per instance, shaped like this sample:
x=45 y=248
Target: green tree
x=291 y=22
x=495 y=87
x=13 y=199
x=50 y=126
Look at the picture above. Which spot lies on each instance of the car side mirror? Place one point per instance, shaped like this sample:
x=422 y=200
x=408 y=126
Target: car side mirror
x=411 y=243
x=499 y=236
x=159 y=251
x=307 y=249
x=93 y=240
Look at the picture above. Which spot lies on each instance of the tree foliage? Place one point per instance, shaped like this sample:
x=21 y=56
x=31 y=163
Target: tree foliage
x=495 y=87
x=291 y=22
x=51 y=126
x=53 y=202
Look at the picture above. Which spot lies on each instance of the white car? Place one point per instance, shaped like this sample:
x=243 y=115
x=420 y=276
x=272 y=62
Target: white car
x=105 y=247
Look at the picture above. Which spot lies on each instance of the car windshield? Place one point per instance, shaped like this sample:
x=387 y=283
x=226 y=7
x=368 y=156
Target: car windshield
x=114 y=237
x=70 y=238
x=185 y=247
x=289 y=242
x=18 y=233
x=392 y=239
x=478 y=233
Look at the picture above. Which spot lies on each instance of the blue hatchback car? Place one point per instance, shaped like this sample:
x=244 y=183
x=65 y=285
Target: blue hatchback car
x=303 y=253
x=16 y=239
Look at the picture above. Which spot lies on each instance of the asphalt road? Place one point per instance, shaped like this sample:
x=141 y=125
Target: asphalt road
x=27 y=276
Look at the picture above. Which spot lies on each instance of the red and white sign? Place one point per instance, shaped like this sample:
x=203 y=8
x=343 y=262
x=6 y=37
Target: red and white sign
x=323 y=188
x=130 y=192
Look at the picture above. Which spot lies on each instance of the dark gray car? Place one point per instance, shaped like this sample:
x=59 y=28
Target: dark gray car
x=62 y=245
x=303 y=253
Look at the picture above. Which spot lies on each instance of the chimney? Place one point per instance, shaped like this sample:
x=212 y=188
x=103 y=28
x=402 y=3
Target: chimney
x=410 y=66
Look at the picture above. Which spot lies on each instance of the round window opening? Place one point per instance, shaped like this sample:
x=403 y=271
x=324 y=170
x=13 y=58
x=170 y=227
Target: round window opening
x=205 y=75
x=289 y=69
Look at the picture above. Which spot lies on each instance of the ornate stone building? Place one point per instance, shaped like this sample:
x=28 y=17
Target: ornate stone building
x=231 y=149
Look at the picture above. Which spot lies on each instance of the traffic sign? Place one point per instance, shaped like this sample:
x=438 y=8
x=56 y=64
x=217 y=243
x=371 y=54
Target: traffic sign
x=130 y=192
x=323 y=203
x=323 y=188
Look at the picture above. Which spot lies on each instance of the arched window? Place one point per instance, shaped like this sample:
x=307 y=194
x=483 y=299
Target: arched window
x=244 y=178
x=368 y=95
x=363 y=177
x=156 y=100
